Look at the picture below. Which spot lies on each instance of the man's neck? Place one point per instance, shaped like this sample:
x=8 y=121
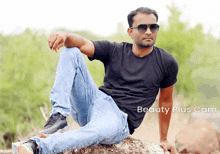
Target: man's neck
x=140 y=51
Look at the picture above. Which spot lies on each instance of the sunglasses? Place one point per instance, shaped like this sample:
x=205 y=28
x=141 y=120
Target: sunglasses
x=143 y=27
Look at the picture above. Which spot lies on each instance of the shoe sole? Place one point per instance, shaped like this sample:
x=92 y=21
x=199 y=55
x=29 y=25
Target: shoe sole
x=23 y=150
x=65 y=129
x=15 y=146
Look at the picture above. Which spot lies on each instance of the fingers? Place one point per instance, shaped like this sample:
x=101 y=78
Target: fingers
x=165 y=145
x=51 y=40
x=168 y=148
x=164 y=148
x=59 y=46
x=173 y=150
x=55 y=41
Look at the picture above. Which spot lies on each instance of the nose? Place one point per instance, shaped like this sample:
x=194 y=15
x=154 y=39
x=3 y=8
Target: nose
x=148 y=31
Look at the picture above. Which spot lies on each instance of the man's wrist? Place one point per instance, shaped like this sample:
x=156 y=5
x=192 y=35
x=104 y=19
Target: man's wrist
x=163 y=140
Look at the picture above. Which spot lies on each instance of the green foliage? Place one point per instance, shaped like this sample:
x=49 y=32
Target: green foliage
x=96 y=70
x=206 y=61
x=120 y=36
x=28 y=69
x=192 y=49
x=180 y=42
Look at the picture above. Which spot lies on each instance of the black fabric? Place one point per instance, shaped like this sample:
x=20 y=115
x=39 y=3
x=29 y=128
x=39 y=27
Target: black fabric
x=133 y=81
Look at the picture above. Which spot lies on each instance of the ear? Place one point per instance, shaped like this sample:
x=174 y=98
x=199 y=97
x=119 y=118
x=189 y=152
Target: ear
x=130 y=34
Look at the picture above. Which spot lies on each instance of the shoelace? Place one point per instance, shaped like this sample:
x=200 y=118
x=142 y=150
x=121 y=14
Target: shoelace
x=51 y=120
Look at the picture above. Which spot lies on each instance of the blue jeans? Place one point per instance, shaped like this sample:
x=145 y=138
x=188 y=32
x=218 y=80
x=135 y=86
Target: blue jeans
x=75 y=93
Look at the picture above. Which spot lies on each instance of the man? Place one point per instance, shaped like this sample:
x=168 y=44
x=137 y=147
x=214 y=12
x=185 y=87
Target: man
x=134 y=74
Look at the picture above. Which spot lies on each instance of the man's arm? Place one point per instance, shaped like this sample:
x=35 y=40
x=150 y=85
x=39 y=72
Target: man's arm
x=59 y=39
x=165 y=102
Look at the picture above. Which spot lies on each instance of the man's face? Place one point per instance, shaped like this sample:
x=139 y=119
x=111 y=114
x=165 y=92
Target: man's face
x=148 y=38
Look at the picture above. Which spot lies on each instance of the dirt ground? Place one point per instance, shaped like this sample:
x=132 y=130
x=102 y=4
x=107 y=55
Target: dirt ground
x=149 y=129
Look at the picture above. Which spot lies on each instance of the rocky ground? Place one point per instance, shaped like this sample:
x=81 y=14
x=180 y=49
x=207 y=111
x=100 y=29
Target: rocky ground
x=128 y=146
x=147 y=133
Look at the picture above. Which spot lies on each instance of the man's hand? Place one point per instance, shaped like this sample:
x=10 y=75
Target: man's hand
x=168 y=147
x=57 y=40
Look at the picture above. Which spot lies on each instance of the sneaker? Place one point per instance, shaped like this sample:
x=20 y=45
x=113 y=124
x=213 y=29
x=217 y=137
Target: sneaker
x=28 y=147
x=15 y=145
x=55 y=124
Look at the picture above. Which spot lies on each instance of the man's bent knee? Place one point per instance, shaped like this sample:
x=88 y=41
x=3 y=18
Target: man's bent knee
x=71 y=51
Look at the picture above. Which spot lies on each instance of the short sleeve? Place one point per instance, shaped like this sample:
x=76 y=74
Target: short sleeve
x=103 y=50
x=170 y=75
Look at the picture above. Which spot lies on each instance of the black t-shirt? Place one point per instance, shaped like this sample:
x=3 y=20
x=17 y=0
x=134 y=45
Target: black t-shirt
x=134 y=81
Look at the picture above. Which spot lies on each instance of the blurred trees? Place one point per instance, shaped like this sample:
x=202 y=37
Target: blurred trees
x=194 y=52
x=28 y=70
x=26 y=79
x=180 y=41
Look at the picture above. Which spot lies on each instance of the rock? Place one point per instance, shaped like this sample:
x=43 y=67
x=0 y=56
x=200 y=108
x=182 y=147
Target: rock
x=199 y=137
x=128 y=146
x=212 y=118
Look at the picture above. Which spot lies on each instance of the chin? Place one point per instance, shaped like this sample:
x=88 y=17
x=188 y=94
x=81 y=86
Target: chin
x=147 y=45
x=144 y=44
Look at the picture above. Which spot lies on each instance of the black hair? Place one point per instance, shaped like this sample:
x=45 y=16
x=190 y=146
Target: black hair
x=140 y=10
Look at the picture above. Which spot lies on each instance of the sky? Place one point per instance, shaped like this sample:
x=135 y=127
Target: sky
x=99 y=16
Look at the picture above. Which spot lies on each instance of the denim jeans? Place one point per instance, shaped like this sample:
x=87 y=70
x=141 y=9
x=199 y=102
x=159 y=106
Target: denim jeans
x=75 y=93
